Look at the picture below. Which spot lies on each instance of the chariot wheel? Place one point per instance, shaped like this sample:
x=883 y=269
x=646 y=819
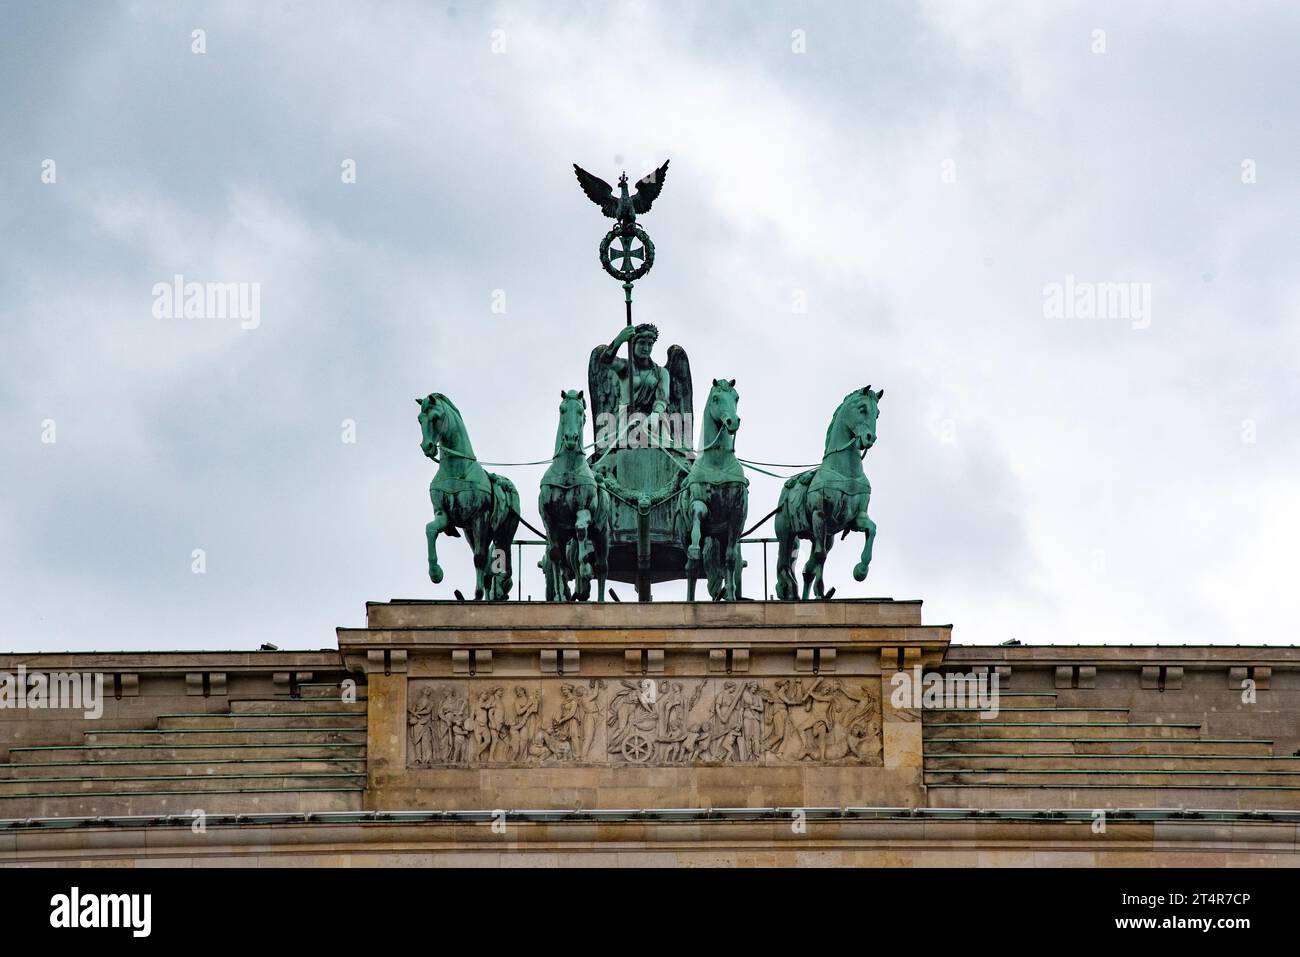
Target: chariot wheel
x=637 y=748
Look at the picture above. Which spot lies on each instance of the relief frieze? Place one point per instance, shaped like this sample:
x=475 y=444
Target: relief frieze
x=644 y=722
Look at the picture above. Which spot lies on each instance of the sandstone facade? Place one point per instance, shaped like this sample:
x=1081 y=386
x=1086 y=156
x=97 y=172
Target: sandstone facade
x=667 y=733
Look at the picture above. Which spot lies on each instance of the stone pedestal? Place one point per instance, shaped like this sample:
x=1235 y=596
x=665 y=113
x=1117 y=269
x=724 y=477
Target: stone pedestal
x=670 y=704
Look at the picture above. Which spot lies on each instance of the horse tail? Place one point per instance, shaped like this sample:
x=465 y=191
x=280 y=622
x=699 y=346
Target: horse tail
x=739 y=506
x=681 y=518
x=713 y=568
x=505 y=510
x=792 y=522
x=791 y=505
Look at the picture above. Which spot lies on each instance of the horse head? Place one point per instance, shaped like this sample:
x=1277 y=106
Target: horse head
x=440 y=423
x=721 y=405
x=854 y=422
x=573 y=420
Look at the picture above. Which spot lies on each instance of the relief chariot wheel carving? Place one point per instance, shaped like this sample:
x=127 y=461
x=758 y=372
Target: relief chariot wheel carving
x=637 y=748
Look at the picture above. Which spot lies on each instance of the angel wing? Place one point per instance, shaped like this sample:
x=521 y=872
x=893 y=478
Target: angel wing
x=602 y=380
x=680 y=396
x=600 y=192
x=647 y=189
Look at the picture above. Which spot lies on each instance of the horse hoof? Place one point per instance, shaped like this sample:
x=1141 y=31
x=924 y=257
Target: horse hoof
x=435 y=574
x=859 y=572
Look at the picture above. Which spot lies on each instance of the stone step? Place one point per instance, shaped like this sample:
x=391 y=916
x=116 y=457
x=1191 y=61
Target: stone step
x=940 y=717
x=112 y=769
x=181 y=783
x=1226 y=797
x=106 y=803
x=294 y=706
x=1092 y=745
x=1117 y=730
x=1025 y=699
x=1108 y=762
x=196 y=752
x=227 y=736
x=285 y=720
x=1195 y=778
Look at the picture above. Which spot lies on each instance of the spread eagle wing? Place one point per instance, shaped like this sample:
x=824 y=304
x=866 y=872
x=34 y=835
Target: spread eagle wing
x=680 y=397
x=602 y=380
x=647 y=189
x=599 y=191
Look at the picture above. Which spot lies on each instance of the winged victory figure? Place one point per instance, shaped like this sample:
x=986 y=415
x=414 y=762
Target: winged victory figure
x=642 y=385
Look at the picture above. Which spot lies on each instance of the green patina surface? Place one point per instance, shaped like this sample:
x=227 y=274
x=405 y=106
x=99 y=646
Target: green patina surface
x=645 y=506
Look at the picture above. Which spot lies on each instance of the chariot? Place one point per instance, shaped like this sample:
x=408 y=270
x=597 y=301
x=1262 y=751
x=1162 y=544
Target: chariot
x=642 y=503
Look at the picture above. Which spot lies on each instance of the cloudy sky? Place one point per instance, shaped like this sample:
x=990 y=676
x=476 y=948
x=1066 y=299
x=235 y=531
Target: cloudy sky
x=876 y=193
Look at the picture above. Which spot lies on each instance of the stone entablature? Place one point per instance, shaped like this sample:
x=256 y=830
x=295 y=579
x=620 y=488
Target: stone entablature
x=663 y=705
x=889 y=840
x=547 y=705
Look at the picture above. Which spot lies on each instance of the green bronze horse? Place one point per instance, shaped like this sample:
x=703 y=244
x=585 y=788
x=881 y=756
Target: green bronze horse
x=466 y=496
x=713 y=503
x=575 y=510
x=830 y=499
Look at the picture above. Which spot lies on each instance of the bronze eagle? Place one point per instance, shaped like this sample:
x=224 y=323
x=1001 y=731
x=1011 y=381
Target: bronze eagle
x=624 y=207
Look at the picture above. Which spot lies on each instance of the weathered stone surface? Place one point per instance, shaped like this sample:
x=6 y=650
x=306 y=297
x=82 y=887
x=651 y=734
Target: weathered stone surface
x=659 y=706
x=873 y=843
x=738 y=706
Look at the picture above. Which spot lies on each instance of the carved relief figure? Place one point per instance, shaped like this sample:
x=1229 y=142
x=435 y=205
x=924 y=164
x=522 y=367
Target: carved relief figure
x=551 y=745
x=751 y=721
x=419 y=721
x=667 y=707
x=864 y=728
x=527 y=721
x=792 y=744
x=483 y=722
x=626 y=707
x=590 y=710
x=569 y=724
x=726 y=722
x=671 y=722
x=453 y=731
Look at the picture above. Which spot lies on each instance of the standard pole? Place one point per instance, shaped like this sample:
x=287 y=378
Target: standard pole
x=631 y=367
x=643 y=521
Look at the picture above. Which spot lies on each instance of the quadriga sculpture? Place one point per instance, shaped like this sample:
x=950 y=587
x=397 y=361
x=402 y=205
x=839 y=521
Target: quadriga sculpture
x=466 y=496
x=575 y=511
x=830 y=499
x=715 y=499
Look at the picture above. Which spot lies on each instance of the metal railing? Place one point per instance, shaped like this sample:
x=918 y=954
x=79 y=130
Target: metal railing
x=519 y=544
